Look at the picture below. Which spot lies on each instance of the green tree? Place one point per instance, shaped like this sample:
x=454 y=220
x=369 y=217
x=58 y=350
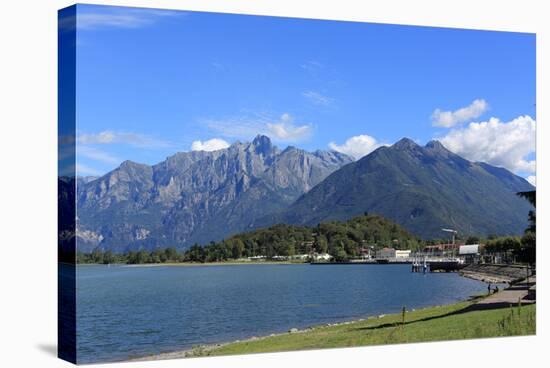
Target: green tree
x=171 y=254
x=237 y=248
x=340 y=255
x=143 y=257
x=529 y=241
x=97 y=256
x=131 y=258
x=531 y=196
x=108 y=257
x=321 y=244
x=196 y=254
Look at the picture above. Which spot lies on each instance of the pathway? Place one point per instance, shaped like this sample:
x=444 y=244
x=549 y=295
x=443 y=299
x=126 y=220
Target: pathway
x=523 y=290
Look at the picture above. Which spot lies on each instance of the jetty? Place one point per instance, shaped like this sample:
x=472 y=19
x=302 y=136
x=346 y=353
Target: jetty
x=418 y=264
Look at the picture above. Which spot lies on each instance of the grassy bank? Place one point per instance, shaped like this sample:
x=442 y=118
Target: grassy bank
x=451 y=322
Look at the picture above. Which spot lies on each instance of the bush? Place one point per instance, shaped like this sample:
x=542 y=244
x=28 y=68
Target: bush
x=503 y=244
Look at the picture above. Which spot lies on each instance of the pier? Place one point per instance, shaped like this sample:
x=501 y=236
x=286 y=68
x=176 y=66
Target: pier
x=437 y=264
x=422 y=264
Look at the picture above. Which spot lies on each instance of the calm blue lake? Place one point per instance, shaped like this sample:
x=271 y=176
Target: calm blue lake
x=125 y=312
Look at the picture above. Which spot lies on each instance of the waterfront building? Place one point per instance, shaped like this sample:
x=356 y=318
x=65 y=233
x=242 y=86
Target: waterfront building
x=405 y=253
x=469 y=252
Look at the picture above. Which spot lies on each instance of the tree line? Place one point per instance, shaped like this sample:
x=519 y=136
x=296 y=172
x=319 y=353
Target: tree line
x=521 y=247
x=524 y=247
x=343 y=240
x=99 y=256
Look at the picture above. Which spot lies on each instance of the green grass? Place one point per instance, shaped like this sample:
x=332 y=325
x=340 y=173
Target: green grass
x=429 y=324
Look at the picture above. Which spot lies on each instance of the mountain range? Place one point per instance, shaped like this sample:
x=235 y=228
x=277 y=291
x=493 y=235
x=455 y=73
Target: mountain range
x=196 y=197
x=199 y=196
x=422 y=188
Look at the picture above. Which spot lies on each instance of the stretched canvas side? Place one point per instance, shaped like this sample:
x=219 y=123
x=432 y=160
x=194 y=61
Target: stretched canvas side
x=67 y=184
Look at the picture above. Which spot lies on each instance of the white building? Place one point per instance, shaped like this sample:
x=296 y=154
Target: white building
x=322 y=257
x=299 y=257
x=257 y=258
x=471 y=249
x=469 y=253
x=403 y=253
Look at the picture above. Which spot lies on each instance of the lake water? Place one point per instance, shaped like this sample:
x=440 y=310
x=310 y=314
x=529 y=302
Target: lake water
x=125 y=312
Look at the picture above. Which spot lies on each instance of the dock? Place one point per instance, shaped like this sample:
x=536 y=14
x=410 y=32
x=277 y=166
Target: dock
x=418 y=264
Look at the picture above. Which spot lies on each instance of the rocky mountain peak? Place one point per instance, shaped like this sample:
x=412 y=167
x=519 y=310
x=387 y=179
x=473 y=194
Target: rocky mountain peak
x=405 y=144
x=436 y=146
x=130 y=165
x=262 y=145
x=198 y=196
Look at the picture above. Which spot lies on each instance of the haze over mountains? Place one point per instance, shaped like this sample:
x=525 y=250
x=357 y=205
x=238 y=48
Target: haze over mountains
x=197 y=197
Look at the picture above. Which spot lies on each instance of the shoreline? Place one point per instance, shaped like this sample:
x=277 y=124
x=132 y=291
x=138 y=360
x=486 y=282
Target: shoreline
x=195 y=264
x=292 y=338
x=485 y=306
x=204 y=349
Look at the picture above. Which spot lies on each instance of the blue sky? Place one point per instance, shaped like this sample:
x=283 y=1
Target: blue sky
x=151 y=83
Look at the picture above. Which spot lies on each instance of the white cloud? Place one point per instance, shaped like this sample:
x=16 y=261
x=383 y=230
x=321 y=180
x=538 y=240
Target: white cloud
x=288 y=132
x=112 y=137
x=532 y=179
x=317 y=98
x=121 y=18
x=213 y=144
x=448 y=119
x=281 y=129
x=96 y=154
x=311 y=66
x=505 y=144
x=357 y=146
x=285 y=130
x=83 y=170
x=286 y=118
x=88 y=147
x=105 y=137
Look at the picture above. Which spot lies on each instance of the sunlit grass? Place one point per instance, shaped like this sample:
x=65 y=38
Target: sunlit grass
x=429 y=324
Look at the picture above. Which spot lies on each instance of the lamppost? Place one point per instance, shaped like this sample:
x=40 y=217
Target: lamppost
x=454 y=232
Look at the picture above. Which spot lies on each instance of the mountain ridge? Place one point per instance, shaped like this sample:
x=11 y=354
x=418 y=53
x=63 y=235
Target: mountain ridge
x=421 y=188
x=199 y=196
x=196 y=196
